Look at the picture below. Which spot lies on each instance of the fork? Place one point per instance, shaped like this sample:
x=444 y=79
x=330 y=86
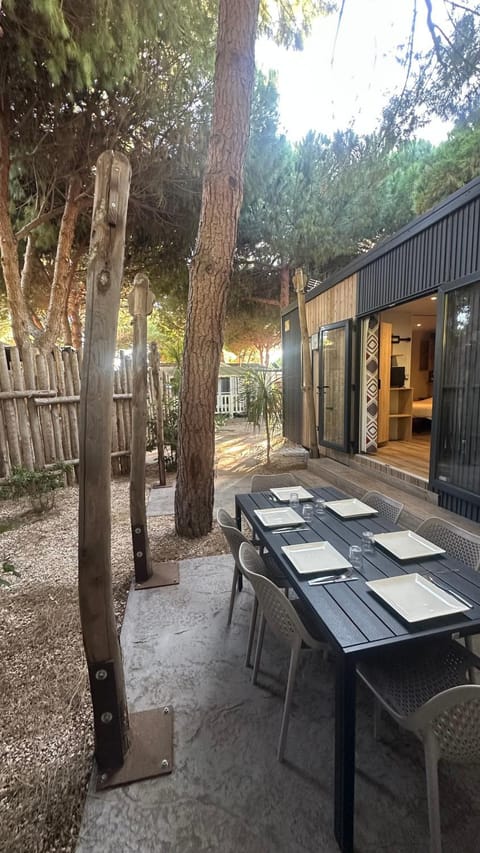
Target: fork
x=288 y=529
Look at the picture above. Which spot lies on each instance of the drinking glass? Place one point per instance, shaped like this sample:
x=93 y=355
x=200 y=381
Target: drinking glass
x=319 y=506
x=355 y=556
x=368 y=542
x=308 y=511
x=294 y=501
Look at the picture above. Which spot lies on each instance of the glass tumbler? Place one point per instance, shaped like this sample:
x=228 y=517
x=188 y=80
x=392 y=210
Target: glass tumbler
x=355 y=556
x=294 y=501
x=319 y=506
x=368 y=542
x=308 y=511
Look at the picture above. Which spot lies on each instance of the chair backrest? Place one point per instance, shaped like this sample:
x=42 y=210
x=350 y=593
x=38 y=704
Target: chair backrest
x=278 y=611
x=388 y=507
x=263 y=482
x=453 y=717
x=232 y=534
x=457 y=541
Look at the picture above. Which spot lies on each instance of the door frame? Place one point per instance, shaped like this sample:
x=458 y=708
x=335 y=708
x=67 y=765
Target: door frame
x=347 y=325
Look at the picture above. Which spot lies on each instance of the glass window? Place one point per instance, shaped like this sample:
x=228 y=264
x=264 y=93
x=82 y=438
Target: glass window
x=458 y=453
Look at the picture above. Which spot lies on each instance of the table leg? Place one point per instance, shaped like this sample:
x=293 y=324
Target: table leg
x=345 y=684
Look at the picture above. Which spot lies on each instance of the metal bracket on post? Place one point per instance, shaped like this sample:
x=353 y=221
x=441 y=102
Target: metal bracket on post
x=111 y=736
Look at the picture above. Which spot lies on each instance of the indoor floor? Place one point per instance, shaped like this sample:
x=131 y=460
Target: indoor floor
x=412 y=456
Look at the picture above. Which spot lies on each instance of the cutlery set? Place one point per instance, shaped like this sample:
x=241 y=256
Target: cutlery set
x=333 y=579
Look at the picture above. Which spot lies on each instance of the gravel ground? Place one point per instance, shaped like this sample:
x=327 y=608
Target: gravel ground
x=46 y=743
x=46 y=728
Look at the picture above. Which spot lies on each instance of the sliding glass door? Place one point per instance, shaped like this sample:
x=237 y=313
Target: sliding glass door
x=457 y=427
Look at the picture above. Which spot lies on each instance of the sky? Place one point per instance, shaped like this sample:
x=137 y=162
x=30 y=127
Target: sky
x=335 y=83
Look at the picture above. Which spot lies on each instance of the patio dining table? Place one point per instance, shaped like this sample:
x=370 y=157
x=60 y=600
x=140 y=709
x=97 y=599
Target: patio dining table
x=356 y=623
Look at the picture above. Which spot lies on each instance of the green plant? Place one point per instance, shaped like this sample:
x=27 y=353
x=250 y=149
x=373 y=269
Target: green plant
x=38 y=486
x=7 y=568
x=220 y=419
x=263 y=401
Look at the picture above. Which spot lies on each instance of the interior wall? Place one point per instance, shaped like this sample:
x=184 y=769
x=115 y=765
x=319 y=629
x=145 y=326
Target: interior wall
x=420 y=381
x=401 y=326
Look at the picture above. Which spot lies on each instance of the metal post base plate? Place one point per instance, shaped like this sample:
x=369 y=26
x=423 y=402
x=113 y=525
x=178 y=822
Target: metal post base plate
x=150 y=752
x=163 y=574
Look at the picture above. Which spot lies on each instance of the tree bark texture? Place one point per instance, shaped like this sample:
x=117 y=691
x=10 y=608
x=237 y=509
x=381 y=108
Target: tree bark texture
x=61 y=276
x=8 y=245
x=104 y=280
x=211 y=265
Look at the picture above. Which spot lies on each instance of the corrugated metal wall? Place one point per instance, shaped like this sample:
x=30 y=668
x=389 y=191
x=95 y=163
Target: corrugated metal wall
x=445 y=251
x=292 y=378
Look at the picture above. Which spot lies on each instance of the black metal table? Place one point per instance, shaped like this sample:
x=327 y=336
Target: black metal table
x=355 y=622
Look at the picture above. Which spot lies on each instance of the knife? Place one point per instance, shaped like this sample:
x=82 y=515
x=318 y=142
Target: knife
x=332 y=579
x=291 y=529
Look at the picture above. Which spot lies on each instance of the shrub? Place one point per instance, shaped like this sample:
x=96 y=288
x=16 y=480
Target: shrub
x=38 y=486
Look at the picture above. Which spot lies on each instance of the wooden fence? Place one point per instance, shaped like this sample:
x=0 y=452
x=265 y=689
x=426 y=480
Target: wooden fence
x=39 y=408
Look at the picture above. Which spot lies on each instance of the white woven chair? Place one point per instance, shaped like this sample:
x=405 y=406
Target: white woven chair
x=287 y=620
x=235 y=539
x=427 y=691
x=264 y=482
x=457 y=541
x=386 y=506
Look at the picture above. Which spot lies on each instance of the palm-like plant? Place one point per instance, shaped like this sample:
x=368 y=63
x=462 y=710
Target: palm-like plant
x=263 y=401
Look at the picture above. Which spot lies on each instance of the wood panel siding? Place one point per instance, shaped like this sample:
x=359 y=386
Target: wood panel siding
x=337 y=303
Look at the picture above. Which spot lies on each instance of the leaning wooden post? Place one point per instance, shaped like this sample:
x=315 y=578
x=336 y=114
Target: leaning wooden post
x=157 y=387
x=140 y=303
x=307 y=364
x=132 y=747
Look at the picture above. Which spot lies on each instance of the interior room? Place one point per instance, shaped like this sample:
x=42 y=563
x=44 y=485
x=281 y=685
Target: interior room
x=406 y=373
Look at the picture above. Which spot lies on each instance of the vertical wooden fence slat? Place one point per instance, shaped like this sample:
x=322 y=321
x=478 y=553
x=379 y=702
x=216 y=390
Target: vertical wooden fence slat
x=55 y=409
x=69 y=358
x=46 y=411
x=119 y=420
x=9 y=414
x=22 y=413
x=69 y=414
x=33 y=413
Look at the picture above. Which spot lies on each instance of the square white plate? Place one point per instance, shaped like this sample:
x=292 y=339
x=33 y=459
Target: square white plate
x=283 y=493
x=351 y=508
x=415 y=598
x=284 y=516
x=407 y=545
x=312 y=558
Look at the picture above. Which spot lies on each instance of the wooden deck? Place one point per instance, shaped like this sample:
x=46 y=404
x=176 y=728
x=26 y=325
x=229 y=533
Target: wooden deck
x=412 y=456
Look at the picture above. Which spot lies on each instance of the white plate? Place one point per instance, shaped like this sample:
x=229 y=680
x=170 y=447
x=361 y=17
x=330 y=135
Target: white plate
x=315 y=557
x=284 y=516
x=351 y=508
x=415 y=598
x=283 y=494
x=407 y=545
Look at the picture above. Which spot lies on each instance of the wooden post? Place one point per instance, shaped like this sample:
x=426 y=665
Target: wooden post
x=140 y=303
x=307 y=364
x=157 y=389
x=121 y=753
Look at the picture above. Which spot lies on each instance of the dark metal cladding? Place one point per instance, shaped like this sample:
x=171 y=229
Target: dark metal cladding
x=430 y=255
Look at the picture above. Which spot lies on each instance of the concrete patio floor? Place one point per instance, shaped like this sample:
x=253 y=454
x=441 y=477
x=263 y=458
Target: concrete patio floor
x=227 y=792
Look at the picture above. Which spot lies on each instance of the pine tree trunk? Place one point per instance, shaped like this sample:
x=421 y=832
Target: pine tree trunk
x=284 y=286
x=8 y=246
x=211 y=264
x=61 y=277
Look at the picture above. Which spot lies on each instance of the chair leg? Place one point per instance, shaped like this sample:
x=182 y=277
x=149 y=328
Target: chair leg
x=236 y=574
x=294 y=655
x=258 y=650
x=251 y=632
x=431 y=772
